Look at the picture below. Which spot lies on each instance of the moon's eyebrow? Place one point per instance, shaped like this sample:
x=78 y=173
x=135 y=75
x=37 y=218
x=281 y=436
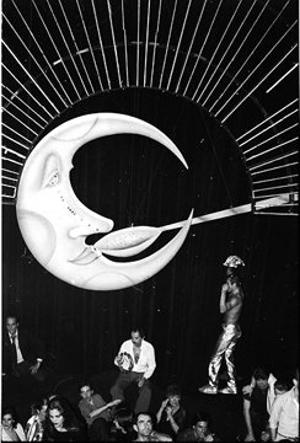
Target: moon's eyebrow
x=52 y=165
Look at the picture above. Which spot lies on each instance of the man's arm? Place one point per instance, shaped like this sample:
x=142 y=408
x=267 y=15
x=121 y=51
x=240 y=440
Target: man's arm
x=246 y=410
x=151 y=363
x=103 y=408
x=274 y=417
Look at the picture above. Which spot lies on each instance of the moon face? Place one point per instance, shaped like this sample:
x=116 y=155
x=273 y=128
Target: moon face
x=55 y=224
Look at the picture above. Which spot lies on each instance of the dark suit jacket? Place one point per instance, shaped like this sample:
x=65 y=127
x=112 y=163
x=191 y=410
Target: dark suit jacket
x=31 y=348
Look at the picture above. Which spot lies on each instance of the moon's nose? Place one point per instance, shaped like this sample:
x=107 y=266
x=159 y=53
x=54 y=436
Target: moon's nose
x=103 y=225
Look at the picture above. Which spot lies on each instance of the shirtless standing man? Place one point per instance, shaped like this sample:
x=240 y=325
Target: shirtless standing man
x=231 y=302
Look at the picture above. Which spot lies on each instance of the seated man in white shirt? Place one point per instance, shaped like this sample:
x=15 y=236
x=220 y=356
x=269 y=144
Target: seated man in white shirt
x=136 y=361
x=284 y=418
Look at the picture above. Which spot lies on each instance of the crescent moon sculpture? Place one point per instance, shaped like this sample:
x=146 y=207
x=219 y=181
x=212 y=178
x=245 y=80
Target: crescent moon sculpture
x=55 y=224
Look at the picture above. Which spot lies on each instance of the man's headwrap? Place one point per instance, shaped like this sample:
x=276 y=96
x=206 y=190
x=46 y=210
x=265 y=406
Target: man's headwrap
x=233 y=261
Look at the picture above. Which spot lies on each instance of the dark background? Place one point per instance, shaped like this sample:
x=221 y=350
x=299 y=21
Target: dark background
x=133 y=180
x=129 y=179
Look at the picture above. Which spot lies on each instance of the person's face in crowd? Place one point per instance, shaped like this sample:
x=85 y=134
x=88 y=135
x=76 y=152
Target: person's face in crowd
x=262 y=383
x=43 y=411
x=12 y=325
x=174 y=400
x=136 y=338
x=86 y=392
x=7 y=421
x=56 y=418
x=144 y=425
x=201 y=429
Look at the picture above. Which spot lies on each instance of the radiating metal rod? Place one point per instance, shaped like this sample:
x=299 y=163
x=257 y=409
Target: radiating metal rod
x=89 y=45
x=42 y=70
x=179 y=43
x=14 y=141
x=155 y=43
x=275 y=168
x=16 y=96
x=267 y=119
x=283 y=177
x=42 y=52
x=16 y=132
x=4 y=177
x=288 y=214
x=271 y=188
x=250 y=55
x=10 y=160
x=232 y=58
x=258 y=84
x=268 y=128
x=126 y=61
x=30 y=76
x=146 y=43
x=215 y=52
x=12 y=151
x=207 y=36
x=272 y=149
x=10 y=171
x=190 y=46
x=168 y=44
x=282 y=78
x=137 y=75
x=14 y=105
x=270 y=138
x=253 y=168
x=101 y=44
x=20 y=121
x=83 y=84
x=114 y=42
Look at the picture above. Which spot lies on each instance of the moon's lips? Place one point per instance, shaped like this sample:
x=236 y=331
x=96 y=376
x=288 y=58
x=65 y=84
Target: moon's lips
x=55 y=224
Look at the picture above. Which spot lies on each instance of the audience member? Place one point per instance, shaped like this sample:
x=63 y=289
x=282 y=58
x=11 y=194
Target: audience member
x=255 y=405
x=136 y=361
x=96 y=412
x=23 y=354
x=284 y=418
x=34 y=426
x=171 y=415
x=122 y=428
x=143 y=426
x=199 y=431
x=11 y=430
x=61 y=423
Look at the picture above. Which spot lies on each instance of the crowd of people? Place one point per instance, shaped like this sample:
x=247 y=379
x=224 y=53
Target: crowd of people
x=270 y=404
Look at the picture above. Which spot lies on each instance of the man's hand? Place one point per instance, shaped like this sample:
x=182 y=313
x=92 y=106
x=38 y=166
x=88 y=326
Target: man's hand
x=35 y=368
x=164 y=403
x=249 y=437
x=141 y=382
x=247 y=389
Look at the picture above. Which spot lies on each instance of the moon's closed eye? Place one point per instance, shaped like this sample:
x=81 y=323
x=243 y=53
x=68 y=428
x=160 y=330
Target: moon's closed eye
x=57 y=240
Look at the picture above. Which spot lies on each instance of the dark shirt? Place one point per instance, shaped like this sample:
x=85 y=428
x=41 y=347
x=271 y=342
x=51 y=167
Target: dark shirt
x=86 y=408
x=73 y=434
x=165 y=426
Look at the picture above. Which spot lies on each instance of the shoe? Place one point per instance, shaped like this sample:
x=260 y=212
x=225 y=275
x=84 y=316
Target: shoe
x=228 y=390
x=208 y=389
